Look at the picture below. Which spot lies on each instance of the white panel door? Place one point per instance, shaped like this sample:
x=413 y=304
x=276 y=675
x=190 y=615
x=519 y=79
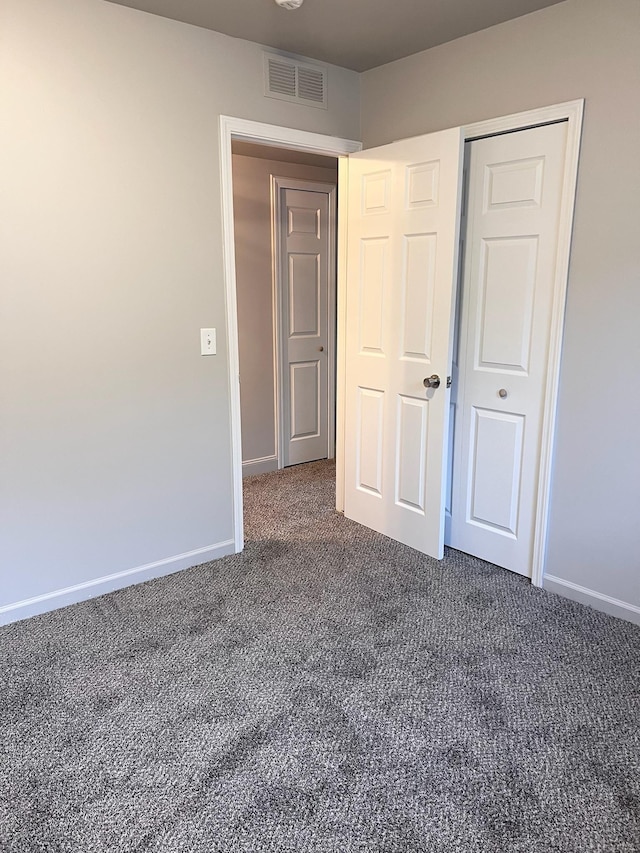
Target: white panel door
x=514 y=193
x=305 y=297
x=402 y=253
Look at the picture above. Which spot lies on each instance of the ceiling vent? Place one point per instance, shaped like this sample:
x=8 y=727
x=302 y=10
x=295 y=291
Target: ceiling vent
x=290 y=80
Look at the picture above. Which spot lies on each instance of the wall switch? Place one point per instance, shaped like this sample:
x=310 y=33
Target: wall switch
x=207 y=341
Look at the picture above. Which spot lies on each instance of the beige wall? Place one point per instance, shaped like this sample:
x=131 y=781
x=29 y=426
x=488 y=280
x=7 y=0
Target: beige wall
x=578 y=49
x=252 y=223
x=114 y=431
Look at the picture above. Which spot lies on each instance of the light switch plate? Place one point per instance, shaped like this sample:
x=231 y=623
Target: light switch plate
x=207 y=341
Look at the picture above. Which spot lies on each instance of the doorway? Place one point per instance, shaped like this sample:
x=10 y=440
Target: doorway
x=284 y=229
x=236 y=129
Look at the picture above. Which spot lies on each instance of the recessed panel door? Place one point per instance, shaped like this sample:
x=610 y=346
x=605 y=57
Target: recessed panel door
x=305 y=310
x=401 y=271
x=514 y=194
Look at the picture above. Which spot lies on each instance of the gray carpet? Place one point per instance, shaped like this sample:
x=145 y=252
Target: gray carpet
x=327 y=690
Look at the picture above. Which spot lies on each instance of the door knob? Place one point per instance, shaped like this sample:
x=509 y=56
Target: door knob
x=432 y=381
x=320 y=349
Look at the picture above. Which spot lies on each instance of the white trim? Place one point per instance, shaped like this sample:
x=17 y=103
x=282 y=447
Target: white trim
x=281 y=137
x=264 y=465
x=89 y=589
x=341 y=307
x=285 y=137
x=572 y=112
x=597 y=600
x=330 y=189
x=275 y=324
x=231 y=314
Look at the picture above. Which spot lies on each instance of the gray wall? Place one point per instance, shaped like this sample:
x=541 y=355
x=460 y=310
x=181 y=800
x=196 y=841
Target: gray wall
x=114 y=431
x=252 y=224
x=580 y=48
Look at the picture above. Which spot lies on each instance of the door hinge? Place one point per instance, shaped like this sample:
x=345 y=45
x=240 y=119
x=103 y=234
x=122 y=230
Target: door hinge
x=448 y=382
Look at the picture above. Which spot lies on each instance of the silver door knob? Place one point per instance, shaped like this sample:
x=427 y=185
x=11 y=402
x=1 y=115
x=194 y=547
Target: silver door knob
x=432 y=381
x=502 y=393
x=320 y=349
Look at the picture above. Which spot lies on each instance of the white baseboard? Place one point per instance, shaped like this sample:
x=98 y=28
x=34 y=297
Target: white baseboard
x=597 y=600
x=109 y=583
x=264 y=465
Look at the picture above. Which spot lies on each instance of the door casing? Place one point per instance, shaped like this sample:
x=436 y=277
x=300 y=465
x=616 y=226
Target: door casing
x=280 y=137
x=234 y=128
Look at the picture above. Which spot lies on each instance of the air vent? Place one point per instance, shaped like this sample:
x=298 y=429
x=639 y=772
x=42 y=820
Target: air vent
x=311 y=84
x=282 y=78
x=290 y=80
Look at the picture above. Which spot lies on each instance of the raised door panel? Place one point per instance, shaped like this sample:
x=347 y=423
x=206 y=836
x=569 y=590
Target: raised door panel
x=516 y=183
x=495 y=470
x=370 y=440
x=376 y=192
x=305 y=400
x=418 y=294
x=303 y=220
x=411 y=453
x=505 y=303
x=304 y=295
x=374 y=285
x=422 y=184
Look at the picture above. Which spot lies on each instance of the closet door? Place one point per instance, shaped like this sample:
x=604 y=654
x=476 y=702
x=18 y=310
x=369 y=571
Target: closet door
x=514 y=195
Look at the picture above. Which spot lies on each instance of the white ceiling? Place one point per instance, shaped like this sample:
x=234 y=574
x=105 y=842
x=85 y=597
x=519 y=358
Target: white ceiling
x=357 y=34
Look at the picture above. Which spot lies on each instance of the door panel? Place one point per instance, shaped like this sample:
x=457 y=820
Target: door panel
x=495 y=469
x=514 y=193
x=516 y=183
x=305 y=395
x=505 y=303
x=411 y=452
x=418 y=295
x=304 y=295
x=376 y=192
x=303 y=220
x=374 y=285
x=370 y=440
x=305 y=311
x=401 y=270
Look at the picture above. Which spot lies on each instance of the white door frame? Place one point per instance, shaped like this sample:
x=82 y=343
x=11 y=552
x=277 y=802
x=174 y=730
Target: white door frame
x=572 y=112
x=280 y=137
x=278 y=183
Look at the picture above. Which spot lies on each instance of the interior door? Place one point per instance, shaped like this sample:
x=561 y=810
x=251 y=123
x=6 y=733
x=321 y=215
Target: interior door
x=305 y=294
x=514 y=195
x=402 y=251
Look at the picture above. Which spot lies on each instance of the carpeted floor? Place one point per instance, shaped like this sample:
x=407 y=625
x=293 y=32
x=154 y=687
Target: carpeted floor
x=328 y=690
